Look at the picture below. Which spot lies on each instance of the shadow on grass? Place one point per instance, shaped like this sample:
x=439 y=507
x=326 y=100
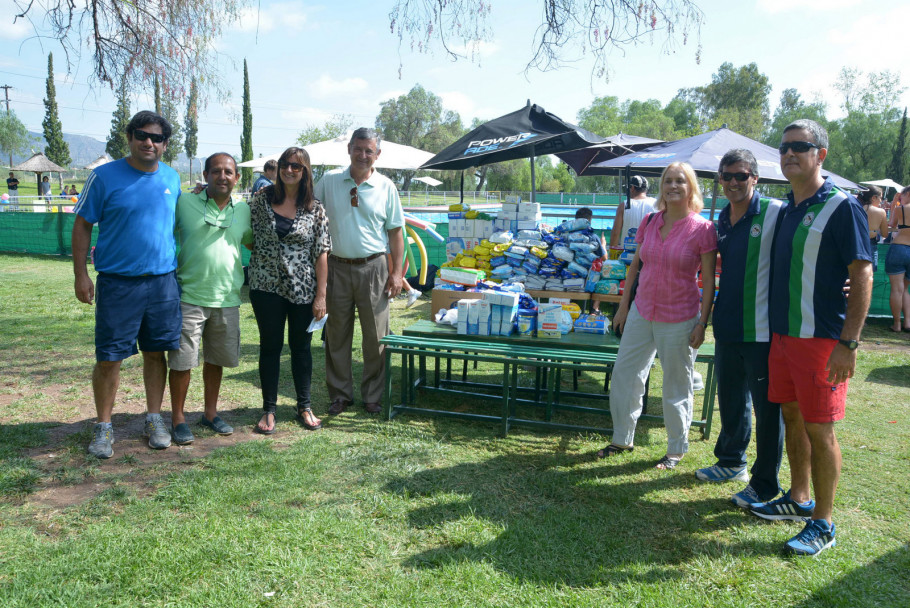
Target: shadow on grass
x=550 y=522
x=883 y=582
x=898 y=375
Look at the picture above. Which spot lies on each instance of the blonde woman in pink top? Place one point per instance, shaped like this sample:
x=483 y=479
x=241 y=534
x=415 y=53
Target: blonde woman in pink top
x=668 y=317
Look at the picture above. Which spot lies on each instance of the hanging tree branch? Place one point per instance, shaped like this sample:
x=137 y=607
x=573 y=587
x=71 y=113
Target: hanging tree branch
x=570 y=30
x=132 y=40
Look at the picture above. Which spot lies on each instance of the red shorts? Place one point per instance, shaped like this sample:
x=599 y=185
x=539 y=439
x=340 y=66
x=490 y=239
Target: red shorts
x=796 y=367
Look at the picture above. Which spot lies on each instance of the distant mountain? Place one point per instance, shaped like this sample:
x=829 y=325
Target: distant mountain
x=84 y=150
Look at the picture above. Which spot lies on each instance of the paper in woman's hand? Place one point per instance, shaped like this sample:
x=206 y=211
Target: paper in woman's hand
x=317 y=325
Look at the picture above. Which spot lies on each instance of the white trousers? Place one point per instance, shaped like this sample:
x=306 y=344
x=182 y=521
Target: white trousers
x=640 y=341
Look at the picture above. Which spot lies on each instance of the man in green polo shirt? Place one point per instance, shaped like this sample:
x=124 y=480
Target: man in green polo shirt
x=211 y=227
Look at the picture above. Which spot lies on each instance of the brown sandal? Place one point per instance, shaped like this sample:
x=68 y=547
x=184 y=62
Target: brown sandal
x=613 y=450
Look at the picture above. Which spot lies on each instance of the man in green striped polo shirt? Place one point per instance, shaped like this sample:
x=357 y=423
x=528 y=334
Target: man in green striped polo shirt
x=822 y=239
x=745 y=233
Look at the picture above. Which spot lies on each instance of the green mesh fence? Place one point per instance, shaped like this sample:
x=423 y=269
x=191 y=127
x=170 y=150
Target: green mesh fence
x=50 y=234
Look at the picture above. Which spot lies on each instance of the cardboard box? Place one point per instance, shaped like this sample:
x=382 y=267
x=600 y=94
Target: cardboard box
x=509 y=208
x=529 y=216
x=548 y=318
x=484 y=318
x=473 y=316
x=464 y=313
x=446 y=298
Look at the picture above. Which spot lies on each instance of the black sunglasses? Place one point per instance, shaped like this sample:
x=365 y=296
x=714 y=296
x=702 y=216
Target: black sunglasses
x=740 y=177
x=797 y=146
x=295 y=167
x=224 y=224
x=143 y=135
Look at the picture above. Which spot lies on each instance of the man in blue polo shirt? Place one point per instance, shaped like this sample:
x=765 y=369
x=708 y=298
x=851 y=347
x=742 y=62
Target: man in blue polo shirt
x=133 y=201
x=745 y=233
x=823 y=239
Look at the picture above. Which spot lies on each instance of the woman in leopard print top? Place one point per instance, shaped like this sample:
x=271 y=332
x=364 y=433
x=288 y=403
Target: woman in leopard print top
x=287 y=273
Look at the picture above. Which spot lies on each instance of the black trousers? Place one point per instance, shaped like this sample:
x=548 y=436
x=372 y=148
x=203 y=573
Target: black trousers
x=271 y=311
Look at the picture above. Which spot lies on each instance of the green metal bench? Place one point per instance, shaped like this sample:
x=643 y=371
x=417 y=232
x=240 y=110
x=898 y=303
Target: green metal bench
x=548 y=358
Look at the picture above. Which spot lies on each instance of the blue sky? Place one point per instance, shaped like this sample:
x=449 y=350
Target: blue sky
x=309 y=61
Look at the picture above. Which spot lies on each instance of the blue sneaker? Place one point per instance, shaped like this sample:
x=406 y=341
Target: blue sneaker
x=784 y=508
x=746 y=498
x=717 y=474
x=817 y=536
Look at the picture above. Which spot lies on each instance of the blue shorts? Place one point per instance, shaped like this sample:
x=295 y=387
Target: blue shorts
x=898 y=260
x=145 y=308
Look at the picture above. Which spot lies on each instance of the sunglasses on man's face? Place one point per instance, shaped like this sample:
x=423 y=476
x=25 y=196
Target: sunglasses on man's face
x=740 y=177
x=141 y=135
x=355 y=199
x=797 y=146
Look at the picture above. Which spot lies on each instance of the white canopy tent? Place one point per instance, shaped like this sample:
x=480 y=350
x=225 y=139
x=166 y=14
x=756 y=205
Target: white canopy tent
x=334 y=153
x=429 y=181
x=884 y=183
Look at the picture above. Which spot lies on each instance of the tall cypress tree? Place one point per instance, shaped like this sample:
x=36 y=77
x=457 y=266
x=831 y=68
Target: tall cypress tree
x=191 y=125
x=117 y=146
x=157 y=96
x=246 y=138
x=57 y=150
x=169 y=112
x=899 y=153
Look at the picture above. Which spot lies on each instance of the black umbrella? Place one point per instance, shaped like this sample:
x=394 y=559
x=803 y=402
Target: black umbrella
x=614 y=146
x=525 y=133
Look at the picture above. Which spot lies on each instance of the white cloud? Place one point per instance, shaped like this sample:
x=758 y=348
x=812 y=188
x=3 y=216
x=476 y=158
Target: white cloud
x=10 y=30
x=326 y=86
x=466 y=107
x=476 y=49
x=300 y=118
x=287 y=15
x=789 y=6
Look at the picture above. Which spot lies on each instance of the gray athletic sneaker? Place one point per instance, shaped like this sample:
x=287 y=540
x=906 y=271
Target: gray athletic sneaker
x=102 y=443
x=157 y=433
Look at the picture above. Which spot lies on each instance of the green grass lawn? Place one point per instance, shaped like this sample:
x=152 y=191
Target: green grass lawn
x=416 y=512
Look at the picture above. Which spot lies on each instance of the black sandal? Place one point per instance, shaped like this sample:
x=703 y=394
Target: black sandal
x=668 y=462
x=301 y=418
x=263 y=431
x=613 y=450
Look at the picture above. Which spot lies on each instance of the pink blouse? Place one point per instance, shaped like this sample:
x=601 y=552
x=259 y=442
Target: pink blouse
x=667 y=289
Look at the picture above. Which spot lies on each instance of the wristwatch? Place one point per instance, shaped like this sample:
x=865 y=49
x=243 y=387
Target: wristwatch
x=850 y=344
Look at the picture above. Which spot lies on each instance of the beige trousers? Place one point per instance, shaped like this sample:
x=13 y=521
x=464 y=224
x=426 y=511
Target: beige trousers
x=362 y=287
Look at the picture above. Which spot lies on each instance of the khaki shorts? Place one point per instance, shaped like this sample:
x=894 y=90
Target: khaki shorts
x=217 y=329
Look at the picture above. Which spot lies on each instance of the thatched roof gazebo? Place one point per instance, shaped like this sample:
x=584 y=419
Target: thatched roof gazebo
x=38 y=164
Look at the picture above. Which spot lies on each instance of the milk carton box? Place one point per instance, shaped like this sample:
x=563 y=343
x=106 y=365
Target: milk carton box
x=548 y=320
x=463 y=314
x=474 y=317
x=484 y=318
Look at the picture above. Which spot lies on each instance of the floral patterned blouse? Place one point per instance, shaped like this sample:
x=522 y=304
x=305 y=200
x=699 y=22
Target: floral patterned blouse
x=286 y=266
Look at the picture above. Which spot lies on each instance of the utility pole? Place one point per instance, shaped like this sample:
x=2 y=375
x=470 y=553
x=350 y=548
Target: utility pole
x=6 y=89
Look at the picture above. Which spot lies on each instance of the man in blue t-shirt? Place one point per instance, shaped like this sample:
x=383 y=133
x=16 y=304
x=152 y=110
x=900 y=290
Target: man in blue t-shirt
x=133 y=201
x=745 y=233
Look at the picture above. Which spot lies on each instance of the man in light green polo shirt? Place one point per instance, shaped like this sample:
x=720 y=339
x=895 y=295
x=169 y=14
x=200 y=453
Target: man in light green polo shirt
x=211 y=226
